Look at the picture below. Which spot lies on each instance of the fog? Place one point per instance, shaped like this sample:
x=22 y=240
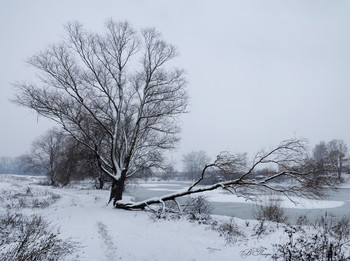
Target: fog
x=258 y=71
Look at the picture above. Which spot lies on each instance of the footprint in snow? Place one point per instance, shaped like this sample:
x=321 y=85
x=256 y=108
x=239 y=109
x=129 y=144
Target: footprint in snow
x=107 y=242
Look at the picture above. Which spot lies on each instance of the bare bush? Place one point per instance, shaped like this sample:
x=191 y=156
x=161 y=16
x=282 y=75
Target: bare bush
x=302 y=221
x=328 y=239
x=337 y=227
x=31 y=238
x=271 y=210
x=260 y=228
x=198 y=208
x=230 y=231
x=29 y=199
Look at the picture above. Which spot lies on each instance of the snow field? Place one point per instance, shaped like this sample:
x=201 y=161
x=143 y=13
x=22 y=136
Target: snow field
x=109 y=234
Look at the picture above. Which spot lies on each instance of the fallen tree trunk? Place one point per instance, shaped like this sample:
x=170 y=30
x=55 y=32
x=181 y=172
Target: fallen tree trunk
x=304 y=179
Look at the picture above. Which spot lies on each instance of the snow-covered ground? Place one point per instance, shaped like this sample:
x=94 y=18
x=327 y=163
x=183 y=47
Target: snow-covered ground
x=346 y=183
x=105 y=233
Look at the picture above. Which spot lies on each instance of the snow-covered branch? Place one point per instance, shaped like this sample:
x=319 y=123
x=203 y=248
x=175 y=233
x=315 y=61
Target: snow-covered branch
x=289 y=157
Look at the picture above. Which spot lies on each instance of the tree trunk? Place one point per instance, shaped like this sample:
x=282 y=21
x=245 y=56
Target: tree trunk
x=117 y=190
x=340 y=168
x=99 y=183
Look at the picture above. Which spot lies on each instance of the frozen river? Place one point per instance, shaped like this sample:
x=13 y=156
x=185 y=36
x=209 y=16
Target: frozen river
x=224 y=203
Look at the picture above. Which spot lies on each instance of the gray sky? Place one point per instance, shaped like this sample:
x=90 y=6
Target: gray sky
x=259 y=71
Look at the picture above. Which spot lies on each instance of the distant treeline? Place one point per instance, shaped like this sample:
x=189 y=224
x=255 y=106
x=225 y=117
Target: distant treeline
x=13 y=165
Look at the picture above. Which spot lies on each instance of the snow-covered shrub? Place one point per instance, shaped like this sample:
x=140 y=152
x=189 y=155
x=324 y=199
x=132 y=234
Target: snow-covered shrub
x=230 y=231
x=31 y=238
x=271 y=210
x=198 y=208
x=44 y=182
x=30 y=198
x=302 y=221
x=173 y=210
x=170 y=210
x=260 y=229
x=172 y=206
x=327 y=240
x=338 y=227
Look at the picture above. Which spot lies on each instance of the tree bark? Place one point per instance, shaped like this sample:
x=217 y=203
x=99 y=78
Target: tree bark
x=173 y=196
x=117 y=189
x=100 y=183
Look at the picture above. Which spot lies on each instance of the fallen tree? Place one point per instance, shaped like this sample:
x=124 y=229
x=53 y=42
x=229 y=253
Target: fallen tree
x=303 y=178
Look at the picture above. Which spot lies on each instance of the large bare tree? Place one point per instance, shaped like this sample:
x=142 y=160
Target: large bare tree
x=116 y=92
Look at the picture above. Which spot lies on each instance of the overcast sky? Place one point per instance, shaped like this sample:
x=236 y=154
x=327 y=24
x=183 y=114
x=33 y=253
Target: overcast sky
x=258 y=71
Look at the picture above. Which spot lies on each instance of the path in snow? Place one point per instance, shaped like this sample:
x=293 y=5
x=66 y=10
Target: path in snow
x=107 y=242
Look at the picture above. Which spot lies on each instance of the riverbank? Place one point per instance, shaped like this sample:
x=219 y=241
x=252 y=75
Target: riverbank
x=105 y=233
x=227 y=204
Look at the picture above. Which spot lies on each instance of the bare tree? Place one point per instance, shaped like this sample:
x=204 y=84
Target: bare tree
x=62 y=159
x=46 y=155
x=337 y=150
x=170 y=172
x=289 y=157
x=331 y=156
x=113 y=92
x=194 y=162
x=320 y=154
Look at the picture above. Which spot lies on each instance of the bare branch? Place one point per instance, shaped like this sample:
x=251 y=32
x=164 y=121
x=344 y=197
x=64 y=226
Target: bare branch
x=289 y=156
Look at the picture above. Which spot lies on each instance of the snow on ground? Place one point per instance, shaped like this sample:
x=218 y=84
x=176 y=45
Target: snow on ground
x=108 y=234
x=346 y=183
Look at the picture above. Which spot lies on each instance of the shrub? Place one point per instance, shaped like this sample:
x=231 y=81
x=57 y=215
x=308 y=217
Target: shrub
x=31 y=238
x=169 y=211
x=337 y=227
x=327 y=240
x=230 y=231
x=29 y=199
x=302 y=221
x=198 y=208
x=260 y=228
x=271 y=210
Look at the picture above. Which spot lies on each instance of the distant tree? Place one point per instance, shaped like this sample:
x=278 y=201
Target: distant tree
x=239 y=162
x=10 y=165
x=337 y=152
x=194 y=162
x=88 y=166
x=113 y=92
x=320 y=155
x=46 y=155
x=170 y=172
x=320 y=152
x=62 y=159
x=5 y=165
x=331 y=156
